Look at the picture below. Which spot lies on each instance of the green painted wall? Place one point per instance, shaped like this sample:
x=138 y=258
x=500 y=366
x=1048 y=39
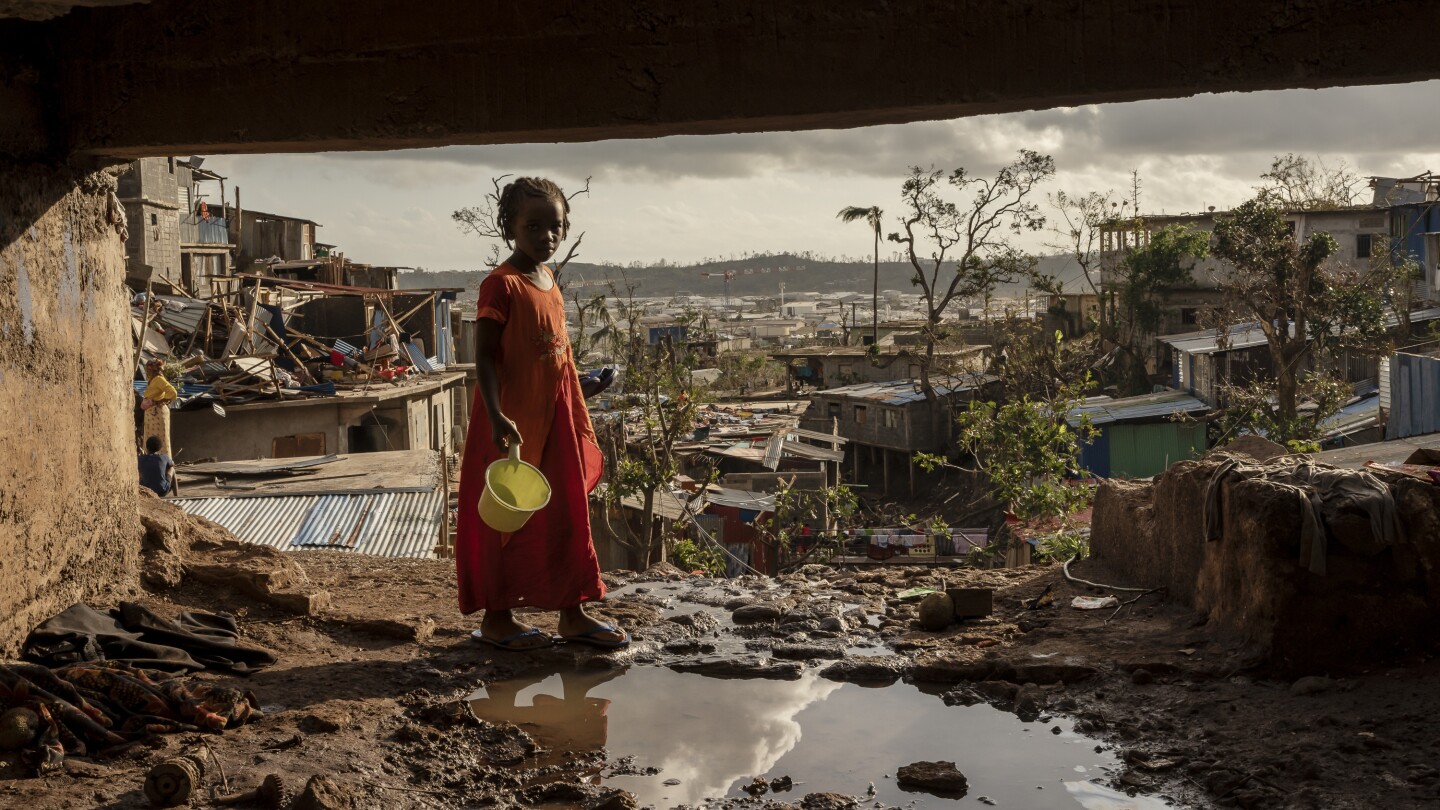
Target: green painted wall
x=1140 y=451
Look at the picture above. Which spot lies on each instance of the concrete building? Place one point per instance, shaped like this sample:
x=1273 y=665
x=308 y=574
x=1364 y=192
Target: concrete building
x=886 y=424
x=834 y=366
x=415 y=415
x=88 y=88
x=1360 y=231
x=150 y=192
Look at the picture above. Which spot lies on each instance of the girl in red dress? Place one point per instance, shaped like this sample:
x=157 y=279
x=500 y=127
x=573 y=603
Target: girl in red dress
x=530 y=393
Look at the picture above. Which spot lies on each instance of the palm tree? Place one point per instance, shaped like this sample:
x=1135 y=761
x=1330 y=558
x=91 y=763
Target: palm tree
x=871 y=215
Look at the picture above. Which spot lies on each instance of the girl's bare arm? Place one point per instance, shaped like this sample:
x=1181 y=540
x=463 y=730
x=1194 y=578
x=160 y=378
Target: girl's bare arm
x=487 y=346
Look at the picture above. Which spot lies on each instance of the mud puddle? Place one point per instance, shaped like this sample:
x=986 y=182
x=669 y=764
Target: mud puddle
x=673 y=739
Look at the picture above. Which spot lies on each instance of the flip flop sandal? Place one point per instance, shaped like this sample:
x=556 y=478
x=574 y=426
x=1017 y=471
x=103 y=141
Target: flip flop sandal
x=588 y=637
x=508 y=643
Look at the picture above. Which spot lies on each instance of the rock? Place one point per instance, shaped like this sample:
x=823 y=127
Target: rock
x=1029 y=702
x=18 y=728
x=417 y=629
x=264 y=573
x=755 y=614
x=938 y=778
x=866 y=669
x=784 y=783
x=828 y=801
x=325 y=721
x=672 y=782
x=937 y=612
x=972 y=603
x=743 y=666
x=1311 y=685
x=1142 y=677
x=619 y=800
x=808 y=650
x=834 y=624
x=1000 y=692
x=699 y=623
x=757 y=787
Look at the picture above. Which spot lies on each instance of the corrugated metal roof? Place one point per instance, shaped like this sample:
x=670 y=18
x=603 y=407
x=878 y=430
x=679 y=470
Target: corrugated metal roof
x=1241 y=336
x=1104 y=410
x=739 y=498
x=385 y=524
x=1249 y=335
x=901 y=392
x=1357 y=415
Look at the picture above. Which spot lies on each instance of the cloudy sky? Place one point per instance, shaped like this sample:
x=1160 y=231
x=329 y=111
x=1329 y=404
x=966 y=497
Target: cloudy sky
x=686 y=197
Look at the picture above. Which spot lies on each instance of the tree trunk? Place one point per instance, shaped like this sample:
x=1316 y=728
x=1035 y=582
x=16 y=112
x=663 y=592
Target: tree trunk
x=925 y=387
x=875 y=297
x=647 y=529
x=1286 y=386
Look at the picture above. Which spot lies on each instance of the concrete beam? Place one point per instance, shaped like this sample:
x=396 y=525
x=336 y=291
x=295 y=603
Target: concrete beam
x=177 y=76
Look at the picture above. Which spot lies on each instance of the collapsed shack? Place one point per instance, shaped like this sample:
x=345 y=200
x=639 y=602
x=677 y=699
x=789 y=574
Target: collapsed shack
x=265 y=338
x=1313 y=566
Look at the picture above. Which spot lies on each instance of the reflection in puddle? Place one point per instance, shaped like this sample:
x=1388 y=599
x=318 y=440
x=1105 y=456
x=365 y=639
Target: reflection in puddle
x=714 y=735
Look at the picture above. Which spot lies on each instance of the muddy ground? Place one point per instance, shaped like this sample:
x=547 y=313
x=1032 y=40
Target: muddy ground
x=368 y=691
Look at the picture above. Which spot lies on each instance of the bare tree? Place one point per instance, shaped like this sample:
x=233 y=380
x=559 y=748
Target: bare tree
x=972 y=240
x=1296 y=183
x=483 y=220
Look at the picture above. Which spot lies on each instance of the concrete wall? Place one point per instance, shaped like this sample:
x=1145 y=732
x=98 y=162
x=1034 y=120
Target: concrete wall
x=366 y=78
x=1375 y=600
x=150 y=192
x=69 y=530
x=248 y=432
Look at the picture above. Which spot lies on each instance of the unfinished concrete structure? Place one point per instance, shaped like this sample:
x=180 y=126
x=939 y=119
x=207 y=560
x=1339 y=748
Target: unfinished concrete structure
x=101 y=83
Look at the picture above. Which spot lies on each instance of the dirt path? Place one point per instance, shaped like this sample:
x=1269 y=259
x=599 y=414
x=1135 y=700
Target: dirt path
x=369 y=691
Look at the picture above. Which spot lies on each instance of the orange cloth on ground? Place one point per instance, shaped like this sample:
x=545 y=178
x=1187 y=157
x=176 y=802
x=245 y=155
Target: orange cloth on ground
x=551 y=562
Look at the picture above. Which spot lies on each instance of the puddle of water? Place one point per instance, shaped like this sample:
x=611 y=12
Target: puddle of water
x=714 y=735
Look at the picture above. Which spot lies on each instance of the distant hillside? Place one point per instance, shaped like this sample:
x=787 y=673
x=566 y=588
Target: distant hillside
x=755 y=275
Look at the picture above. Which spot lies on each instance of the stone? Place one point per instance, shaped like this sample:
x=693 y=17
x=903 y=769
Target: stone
x=937 y=612
x=755 y=614
x=784 y=783
x=972 y=603
x=18 y=728
x=939 y=778
x=417 y=629
x=834 y=624
x=324 y=793
x=866 y=669
x=699 y=623
x=1142 y=676
x=1029 y=702
x=757 y=787
x=1312 y=685
x=828 y=801
x=742 y=666
x=619 y=800
x=806 y=651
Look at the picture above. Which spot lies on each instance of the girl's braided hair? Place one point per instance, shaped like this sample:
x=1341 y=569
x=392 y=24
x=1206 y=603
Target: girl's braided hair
x=509 y=204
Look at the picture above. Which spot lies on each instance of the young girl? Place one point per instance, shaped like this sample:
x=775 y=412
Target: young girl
x=530 y=393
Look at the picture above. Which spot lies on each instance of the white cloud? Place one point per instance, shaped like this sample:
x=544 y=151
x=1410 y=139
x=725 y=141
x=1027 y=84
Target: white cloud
x=685 y=197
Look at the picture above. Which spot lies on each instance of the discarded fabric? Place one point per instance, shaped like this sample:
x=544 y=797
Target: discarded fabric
x=135 y=635
x=1322 y=493
x=1094 y=602
x=85 y=708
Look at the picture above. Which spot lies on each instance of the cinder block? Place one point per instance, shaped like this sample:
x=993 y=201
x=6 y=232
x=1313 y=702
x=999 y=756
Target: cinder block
x=972 y=603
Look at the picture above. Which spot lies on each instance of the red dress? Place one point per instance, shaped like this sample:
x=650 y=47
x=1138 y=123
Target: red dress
x=550 y=563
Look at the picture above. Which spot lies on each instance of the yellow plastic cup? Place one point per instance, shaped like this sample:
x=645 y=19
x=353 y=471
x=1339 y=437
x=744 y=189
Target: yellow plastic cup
x=513 y=492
